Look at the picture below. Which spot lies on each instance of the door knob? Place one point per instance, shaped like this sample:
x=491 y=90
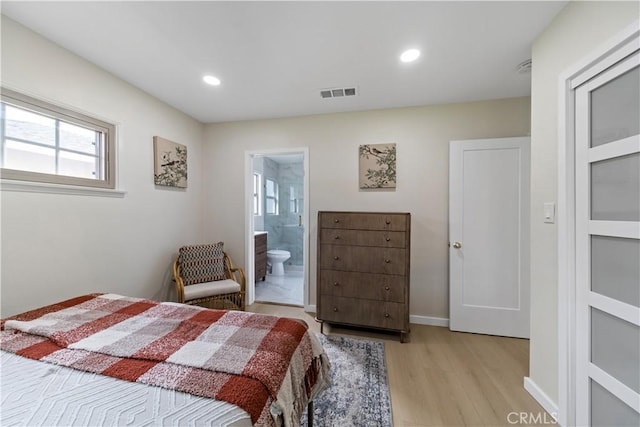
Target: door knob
x=457 y=245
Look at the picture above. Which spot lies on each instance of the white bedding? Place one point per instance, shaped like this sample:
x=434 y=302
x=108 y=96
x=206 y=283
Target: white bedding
x=36 y=393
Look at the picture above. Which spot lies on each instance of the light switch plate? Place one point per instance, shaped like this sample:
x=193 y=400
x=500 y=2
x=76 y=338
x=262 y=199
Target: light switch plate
x=550 y=213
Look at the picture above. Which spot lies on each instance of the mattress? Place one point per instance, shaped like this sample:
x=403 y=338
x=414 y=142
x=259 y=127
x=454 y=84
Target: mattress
x=36 y=393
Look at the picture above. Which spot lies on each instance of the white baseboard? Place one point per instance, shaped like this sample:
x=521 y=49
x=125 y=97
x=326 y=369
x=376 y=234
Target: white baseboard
x=541 y=397
x=310 y=308
x=429 y=321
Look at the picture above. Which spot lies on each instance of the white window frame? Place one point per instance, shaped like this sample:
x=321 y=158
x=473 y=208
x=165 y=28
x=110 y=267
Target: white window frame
x=257 y=194
x=107 y=180
x=267 y=197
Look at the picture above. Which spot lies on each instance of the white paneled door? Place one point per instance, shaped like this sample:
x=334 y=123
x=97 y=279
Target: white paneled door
x=489 y=236
x=607 y=232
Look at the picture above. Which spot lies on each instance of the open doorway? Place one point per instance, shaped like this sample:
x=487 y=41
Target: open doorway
x=277 y=218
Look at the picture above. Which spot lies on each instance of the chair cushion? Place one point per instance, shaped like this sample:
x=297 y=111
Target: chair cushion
x=201 y=263
x=203 y=290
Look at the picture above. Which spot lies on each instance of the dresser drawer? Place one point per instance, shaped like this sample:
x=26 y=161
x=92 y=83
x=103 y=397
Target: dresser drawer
x=378 y=314
x=385 y=239
x=363 y=259
x=381 y=287
x=362 y=221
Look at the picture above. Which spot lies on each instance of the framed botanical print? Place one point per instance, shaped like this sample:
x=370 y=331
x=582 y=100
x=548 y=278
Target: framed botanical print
x=377 y=166
x=170 y=163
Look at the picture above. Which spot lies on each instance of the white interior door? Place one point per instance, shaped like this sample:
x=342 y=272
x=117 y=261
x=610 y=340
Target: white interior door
x=489 y=236
x=608 y=246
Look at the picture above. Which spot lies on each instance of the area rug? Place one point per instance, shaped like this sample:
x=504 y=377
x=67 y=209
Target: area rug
x=359 y=391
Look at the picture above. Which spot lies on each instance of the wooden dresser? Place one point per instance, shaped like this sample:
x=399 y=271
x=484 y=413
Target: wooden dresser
x=363 y=269
x=260 y=256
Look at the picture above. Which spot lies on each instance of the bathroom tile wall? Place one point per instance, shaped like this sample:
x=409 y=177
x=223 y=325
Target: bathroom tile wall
x=285 y=230
x=291 y=179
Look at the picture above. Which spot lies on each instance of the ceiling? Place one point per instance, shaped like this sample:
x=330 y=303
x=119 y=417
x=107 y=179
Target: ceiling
x=273 y=58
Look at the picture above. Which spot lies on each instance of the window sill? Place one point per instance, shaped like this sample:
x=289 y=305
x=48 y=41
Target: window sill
x=42 y=187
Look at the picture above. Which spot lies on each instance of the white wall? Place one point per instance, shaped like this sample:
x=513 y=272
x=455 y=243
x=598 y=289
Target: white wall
x=422 y=135
x=577 y=30
x=56 y=246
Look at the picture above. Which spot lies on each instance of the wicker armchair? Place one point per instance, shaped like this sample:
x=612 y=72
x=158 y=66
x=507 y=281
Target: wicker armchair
x=205 y=276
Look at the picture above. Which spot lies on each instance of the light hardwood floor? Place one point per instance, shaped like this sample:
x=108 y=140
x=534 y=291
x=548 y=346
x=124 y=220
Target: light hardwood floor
x=444 y=378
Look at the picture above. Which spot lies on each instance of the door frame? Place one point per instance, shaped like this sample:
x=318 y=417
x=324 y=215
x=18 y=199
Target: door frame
x=249 y=156
x=601 y=58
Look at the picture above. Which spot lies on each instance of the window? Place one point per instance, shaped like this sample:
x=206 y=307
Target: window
x=256 y=194
x=271 y=196
x=43 y=142
x=293 y=201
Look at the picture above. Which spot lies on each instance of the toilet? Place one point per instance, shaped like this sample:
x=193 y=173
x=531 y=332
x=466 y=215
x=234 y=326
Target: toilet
x=276 y=258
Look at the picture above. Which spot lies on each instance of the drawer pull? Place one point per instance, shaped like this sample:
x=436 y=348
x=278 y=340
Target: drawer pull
x=336 y=284
x=387 y=261
x=386 y=288
x=336 y=237
x=388 y=221
x=336 y=258
x=335 y=308
x=336 y=220
x=388 y=239
x=387 y=315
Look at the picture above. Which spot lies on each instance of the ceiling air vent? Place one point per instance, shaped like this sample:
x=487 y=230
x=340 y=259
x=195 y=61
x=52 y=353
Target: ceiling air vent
x=338 y=92
x=524 y=67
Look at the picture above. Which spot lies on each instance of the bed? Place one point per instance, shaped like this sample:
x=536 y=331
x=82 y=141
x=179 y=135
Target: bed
x=117 y=360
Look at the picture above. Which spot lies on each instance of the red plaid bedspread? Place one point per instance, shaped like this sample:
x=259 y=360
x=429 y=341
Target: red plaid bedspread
x=268 y=366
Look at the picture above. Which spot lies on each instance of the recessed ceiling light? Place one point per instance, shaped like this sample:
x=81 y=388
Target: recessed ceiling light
x=211 y=80
x=410 y=55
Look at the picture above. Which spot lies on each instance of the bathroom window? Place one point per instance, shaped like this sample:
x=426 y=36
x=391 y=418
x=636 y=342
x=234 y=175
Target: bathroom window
x=293 y=200
x=257 y=199
x=271 y=196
